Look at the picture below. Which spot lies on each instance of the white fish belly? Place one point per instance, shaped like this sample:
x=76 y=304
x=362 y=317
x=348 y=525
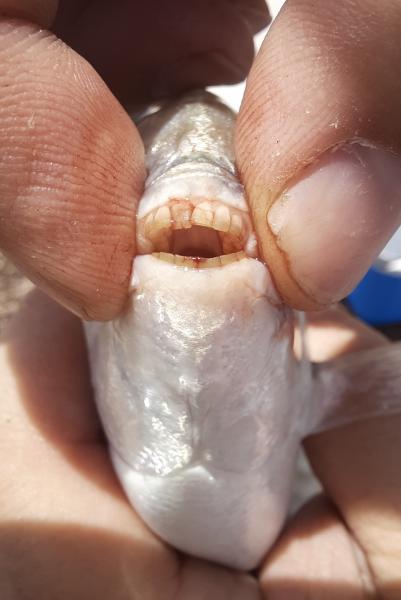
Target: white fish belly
x=214 y=514
x=194 y=384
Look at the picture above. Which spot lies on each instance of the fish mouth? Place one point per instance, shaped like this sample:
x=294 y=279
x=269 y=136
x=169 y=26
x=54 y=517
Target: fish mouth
x=196 y=233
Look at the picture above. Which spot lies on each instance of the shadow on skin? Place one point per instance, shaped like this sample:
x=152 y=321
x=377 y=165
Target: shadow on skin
x=315 y=558
x=358 y=463
x=358 y=466
x=40 y=561
x=47 y=352
x=299 y=590
x=59 y=562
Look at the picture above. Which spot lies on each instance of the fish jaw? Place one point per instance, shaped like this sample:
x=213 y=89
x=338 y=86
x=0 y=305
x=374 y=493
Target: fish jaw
x=184 y=183
x=194 y=384
x=192 y=178
x=190 y=147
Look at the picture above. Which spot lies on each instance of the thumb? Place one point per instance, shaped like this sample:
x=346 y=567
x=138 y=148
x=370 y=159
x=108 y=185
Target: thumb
x=71 y=171
x=42 y=12
x=318 y=139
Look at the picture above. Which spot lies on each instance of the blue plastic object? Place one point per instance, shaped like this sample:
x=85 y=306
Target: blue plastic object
x=377 y=299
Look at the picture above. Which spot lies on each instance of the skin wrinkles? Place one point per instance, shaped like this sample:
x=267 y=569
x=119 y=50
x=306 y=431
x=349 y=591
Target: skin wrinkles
x=380 y=90
x=72 y=161
x=73 y=178
x=311 y=89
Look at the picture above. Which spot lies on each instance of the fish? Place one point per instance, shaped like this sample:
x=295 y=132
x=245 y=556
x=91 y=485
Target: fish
x=203 y=399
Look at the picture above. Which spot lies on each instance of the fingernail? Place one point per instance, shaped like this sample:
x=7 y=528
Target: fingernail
x=334 y=221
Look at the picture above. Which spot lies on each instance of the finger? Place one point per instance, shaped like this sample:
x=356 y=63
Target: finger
x=44 y=352
x=202 y=580
x=334 y=332
x=158 y=48
x=66 y=530
x=256 y=13
x=318 y=144
x=359 y=468
x=315 y=558
x=71 y=172
x=42 y=12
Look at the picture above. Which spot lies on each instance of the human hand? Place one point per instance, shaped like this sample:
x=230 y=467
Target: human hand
x=346 y=543
x=318 y=144
x=72 y=163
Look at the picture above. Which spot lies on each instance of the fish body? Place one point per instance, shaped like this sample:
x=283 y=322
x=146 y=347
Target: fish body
x=201 y=396
x=195 y=387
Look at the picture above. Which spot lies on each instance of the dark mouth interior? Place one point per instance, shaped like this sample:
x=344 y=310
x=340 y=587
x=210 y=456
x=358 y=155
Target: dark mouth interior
x=197 y=241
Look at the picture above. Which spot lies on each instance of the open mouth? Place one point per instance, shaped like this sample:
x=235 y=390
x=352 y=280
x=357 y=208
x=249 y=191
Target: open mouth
x=196 y=233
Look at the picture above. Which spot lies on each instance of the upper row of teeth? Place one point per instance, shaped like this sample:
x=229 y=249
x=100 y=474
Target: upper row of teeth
x=184 y=214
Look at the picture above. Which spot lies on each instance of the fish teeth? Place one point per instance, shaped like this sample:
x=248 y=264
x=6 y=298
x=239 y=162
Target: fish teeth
x=193 y=263
x=162 y=218
x=236 y=225
x=167 y=257
x=225 y=259
x=221 y=220
x=180 y=261
x=203 y=215
x=229 y=258
x=149 y=223
x=154 y=231
x=212 y=263
x=181 y=216
x=144 y=244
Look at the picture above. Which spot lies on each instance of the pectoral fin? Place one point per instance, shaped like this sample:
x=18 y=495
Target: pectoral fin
x=360 y=385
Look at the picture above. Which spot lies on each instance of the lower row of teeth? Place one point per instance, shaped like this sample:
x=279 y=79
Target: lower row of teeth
x=200 y=263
